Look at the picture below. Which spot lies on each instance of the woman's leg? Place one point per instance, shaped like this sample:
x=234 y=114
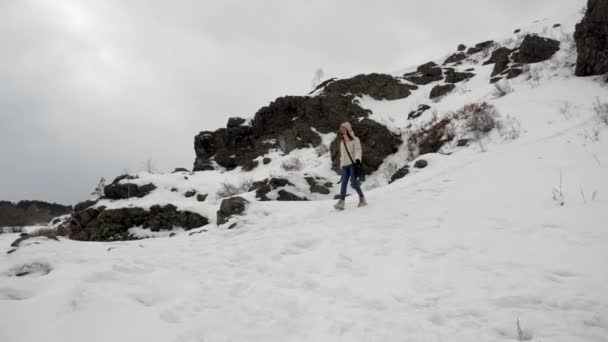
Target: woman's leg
x=344 y=182
x=354 y=182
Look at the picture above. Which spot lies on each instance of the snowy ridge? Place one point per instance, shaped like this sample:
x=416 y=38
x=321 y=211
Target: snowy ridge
x=458 y=251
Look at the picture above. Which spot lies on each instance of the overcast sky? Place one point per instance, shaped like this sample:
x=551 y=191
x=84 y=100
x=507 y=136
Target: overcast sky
x=94 y=88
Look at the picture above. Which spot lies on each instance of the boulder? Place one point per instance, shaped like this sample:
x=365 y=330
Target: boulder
x=229 y=207
x=457 y=57
x=314 y=187
x=418 y=112
x=591 y=36
x=429 y=69
x=513 y=72
x=425 y=74
x=180 y=169
x=421 y=164
x=250 y=165
x=535 y=49
x=473 y=50
x=262 y=188
x=441 y=90
x=319 y=189
x=190 y=193
x=266 y=161
x=118 y=190
x=452 y=76
x=500 y=58
x=378 y=86
x=288 y=196
x=402 y=172
x=461 y=47
x=422 y=79
x=201 y=197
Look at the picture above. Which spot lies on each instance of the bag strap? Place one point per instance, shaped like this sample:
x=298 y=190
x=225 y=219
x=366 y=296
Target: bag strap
x=346 y=148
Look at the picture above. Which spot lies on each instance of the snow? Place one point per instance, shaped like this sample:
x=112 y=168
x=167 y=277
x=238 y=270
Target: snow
x=458 y=251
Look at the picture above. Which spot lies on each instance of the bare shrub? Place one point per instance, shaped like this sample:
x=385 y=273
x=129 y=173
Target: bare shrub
x=509 y=128
x=533 y=73
x=99 y=191
x=566 y=110
x=316 y=80
x=292 y=164
x=431 y=138
x=480 y=118
x=502 y=88
x=522 y=335
x=558 y=194
x=229 y=189
x=601 y=111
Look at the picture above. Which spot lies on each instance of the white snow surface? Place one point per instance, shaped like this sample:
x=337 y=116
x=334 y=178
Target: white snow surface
x=458 y=251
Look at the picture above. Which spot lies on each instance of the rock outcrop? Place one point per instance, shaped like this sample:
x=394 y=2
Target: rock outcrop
x=292 y=122
x=101 y=224
x=591 y=38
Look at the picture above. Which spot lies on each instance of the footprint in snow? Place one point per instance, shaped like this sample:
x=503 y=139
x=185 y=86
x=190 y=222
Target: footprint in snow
x=170 y=316
x=14 y=294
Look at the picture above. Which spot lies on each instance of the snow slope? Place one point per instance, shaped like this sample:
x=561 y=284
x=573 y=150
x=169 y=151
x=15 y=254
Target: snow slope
x=458 y=251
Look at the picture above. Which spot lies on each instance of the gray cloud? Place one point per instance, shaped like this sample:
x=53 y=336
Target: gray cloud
x=90 y=88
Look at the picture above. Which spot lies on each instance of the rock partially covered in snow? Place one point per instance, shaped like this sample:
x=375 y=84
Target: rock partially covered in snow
x=441 y=90
x=378 y=86
x=99 y=224
x=500 y=59
x=591 y=37
x=229 y=207
x=418 y=112
x=536 y=49
x=122 y=190
x=425 y=74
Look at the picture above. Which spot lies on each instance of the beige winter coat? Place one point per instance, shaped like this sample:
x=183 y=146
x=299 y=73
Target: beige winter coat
x=354 y=147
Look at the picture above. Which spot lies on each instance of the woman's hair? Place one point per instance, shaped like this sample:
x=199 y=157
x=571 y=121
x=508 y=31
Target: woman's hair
x=348 y=131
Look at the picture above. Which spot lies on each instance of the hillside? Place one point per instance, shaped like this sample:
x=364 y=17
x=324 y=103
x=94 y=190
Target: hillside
x=29 y=213
x=499 y=236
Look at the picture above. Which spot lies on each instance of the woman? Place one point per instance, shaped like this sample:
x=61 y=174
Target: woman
x=350 y=159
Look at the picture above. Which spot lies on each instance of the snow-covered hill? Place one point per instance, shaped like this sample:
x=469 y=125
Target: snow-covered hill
x=501 y=240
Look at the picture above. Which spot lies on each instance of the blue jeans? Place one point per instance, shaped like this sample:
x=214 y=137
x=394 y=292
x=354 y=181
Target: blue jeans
x=349 y=171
